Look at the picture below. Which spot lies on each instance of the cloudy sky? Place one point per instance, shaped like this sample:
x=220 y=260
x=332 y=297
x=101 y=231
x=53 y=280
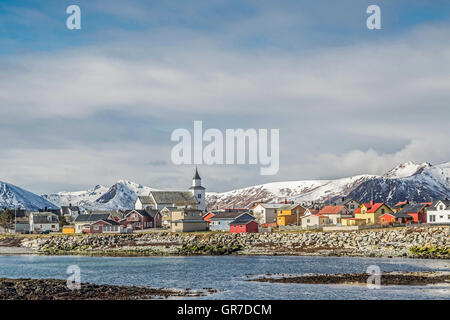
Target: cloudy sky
x=92 y=106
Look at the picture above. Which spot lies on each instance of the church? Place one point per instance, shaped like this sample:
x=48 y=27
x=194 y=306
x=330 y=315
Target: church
x=171 y=200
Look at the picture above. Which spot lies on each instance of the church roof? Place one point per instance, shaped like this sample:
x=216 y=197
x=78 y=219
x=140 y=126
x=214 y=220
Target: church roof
x=145 y=199
x=179 y=198
x=196 y=175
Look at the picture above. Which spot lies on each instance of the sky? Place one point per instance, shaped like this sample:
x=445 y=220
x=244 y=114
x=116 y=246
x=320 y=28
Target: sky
x=92 y=106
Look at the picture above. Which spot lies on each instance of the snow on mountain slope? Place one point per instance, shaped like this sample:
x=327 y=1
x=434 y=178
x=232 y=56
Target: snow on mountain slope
x=75 y=198
x=121 y=195
x=406 y=169
x=298 y=191
x=12 y=196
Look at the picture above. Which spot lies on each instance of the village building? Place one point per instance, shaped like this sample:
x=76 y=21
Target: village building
x=418 y=211
x=314 y=220
x=398 y=217
x=336 y=213
x=290 y=214
x=221 y=221
x=141 y=219
x=399 y=205
x=166 y=216
x=351 y=222
x=143 y=202
x=158 y=200
x=43 y=222
x=266 y=212
x=349 y=203
x=439 y=212
x=188 y=220
x=207 y=217
x=68 y=229
x=372 y=211
x=245 y=223
x=83 y=222
x=70 y=211
x=106 y=226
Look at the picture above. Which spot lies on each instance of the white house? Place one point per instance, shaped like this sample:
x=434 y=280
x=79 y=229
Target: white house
x=43 y=222
x=439 y=212
x=266 y=212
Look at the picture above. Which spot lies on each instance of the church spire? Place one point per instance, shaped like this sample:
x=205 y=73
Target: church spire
x=196 y=175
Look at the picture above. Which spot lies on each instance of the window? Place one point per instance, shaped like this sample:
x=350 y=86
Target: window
x=95 y=227
x=441 y=207
x=199 y=196
x=432 y=218
x=382 y=211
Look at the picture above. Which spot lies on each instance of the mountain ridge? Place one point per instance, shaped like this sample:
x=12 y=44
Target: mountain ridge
x=416 y=182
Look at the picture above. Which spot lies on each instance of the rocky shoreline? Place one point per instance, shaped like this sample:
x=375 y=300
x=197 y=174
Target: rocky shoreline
x=56 y=289
x=410 y=242
x=386 y=279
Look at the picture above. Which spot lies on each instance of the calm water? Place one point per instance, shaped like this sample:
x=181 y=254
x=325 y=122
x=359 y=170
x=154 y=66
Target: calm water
x=228 y=273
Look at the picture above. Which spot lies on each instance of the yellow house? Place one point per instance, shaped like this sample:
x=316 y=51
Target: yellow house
x=372 y=211
x=352 y=222
x=290 y=214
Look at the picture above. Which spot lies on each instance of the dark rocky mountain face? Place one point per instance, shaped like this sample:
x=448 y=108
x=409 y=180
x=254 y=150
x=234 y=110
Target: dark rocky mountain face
x=392 y=191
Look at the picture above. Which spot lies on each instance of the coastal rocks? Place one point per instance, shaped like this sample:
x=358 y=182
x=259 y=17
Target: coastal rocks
x=55 y=289
x=389 y=278
x=388 y=242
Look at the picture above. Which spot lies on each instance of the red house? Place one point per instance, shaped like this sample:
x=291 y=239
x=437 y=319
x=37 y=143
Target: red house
x=417 y=211
x=141 y=219
x=105 y=226
x=244 y=224
x=390 y=218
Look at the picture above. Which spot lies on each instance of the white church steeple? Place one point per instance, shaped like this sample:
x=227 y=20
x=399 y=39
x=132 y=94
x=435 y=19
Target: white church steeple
x=198 y=191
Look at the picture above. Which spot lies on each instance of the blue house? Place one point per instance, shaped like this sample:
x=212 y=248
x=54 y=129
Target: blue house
x=221 y=221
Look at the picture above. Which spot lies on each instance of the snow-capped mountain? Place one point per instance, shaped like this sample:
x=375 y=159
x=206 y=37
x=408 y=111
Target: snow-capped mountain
x=121 y=195
x=416 y=182
x=12 y=196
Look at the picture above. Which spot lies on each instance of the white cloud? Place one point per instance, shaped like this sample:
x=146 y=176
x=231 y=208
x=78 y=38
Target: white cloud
x=396 y=89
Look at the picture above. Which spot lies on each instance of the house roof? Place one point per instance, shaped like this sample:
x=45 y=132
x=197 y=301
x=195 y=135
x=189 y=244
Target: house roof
x=343 y=201
x=371 y=207
x=397 y=215
x=92 y=217
x=108 y=221
x=271 y=205
x=44 y=217
x=243 y=219
x=289 y=206
x=413 y=208
x=331 y=209
x=174 y=197
x=227 y=215
x=433 y=206
x=401 y=203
